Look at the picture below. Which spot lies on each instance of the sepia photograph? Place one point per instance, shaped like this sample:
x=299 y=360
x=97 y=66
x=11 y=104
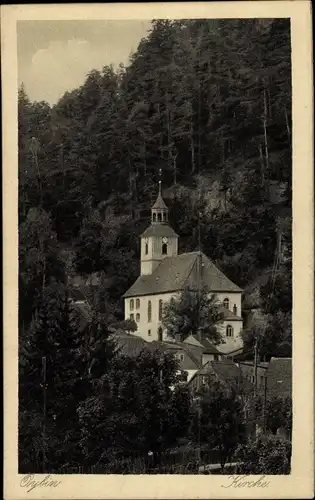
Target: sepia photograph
x=155 y=255
x=155 y=243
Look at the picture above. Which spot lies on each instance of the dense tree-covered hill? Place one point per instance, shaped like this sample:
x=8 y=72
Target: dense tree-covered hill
x=209 y=102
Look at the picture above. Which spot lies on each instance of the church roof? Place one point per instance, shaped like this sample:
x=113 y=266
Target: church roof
x=229 y=315
x=160 y=203
x=174 y=273
x=159 y=229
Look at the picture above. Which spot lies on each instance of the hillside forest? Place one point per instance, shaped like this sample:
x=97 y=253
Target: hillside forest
x=209 y=103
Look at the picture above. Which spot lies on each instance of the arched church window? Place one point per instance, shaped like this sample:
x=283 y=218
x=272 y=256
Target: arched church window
x=137 y=303
x=154 y=217
x=164 y=217
x=164 y=249
x=160 y=309
x=226 y=303
x=149 y=311
x=137 y=317
x=132 y=305
x=146 y=248
x=160 y=334
x=235 y=309
x=229 y=331
x=159 y=217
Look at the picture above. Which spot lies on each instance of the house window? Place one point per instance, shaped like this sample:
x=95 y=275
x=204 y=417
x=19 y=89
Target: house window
x=183 y=376
x=149 y=333
x=137 y=303
x=149 y=311
x=137 y=317
x=229 y=331
x=132 y=317
x=180 y=356
x=164 y=249
x=160 y=309
x=235 y=309
x=132 y=305
x=164 y=217
x=146 y=249
x=160 y=334
x=226 y=303
x=204 y=380
x=159 y=217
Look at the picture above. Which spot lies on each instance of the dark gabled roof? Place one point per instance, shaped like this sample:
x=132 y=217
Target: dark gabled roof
x=227 y=372
x=159 y=229
x=131 y=345
x=279 y=377
x=159 y=203
x=260 y=364
x=179 y=346
x=174 y=273
x=229 y=315
x=208 y=348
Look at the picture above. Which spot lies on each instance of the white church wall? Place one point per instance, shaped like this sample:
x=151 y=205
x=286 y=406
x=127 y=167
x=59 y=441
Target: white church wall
x=148 y=330
x=234 y=298
x=231 y=343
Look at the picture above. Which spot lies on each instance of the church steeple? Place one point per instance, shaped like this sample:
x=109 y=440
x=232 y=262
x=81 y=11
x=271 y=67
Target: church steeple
x=159 y=211
x=159 y=240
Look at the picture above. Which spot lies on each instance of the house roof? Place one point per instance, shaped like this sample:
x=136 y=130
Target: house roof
x=174 y=273
x=226 y=371
x=131 y=345
x=260 y=364
x=208 y=348
x=192 y=341
x=180 y=346
x=279 y=377
x=229 y=315
x=159 y=229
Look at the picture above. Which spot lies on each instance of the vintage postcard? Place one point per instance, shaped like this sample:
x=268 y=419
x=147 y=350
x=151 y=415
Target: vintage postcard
x=158 y=250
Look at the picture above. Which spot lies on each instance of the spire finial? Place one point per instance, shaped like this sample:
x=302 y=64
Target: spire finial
x=160 y=181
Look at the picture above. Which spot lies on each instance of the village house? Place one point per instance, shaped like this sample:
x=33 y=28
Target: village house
x=226 y=372
x=165 y=273
x=190 y=354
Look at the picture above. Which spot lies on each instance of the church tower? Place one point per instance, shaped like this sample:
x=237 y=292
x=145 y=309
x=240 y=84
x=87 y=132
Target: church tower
x=159 y=240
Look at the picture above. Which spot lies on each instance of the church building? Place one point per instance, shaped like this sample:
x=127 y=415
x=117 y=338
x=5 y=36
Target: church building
x=165 y=273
